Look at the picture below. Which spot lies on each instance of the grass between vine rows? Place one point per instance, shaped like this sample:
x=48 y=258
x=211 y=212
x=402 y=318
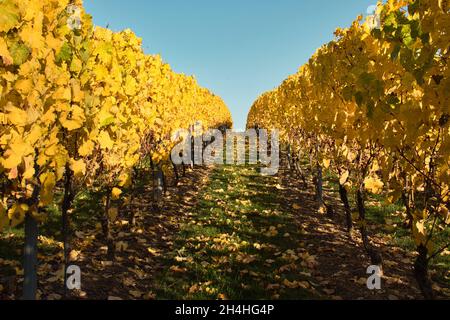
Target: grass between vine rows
x=239 y=244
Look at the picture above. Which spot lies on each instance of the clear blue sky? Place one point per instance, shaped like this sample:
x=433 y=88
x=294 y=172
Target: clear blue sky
x=236 y=48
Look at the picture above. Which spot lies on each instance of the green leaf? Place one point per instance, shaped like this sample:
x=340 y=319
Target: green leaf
x=407 y=59
x=391 y=21
x=370 y=109
x=19 y=52
x=396 y=52
x=107 y=122
x=377 y=34
x=347 y=92
x=366 y=78
x=415 y=29
x=393 y=99
x=65 y=54
x=419 y=75
x=425 y=37
x=359 y=98
x=413 y=7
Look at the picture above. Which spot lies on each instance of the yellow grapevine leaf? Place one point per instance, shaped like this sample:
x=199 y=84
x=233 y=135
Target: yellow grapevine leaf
x=344 y=177
x=130 y=86
x=78 y=167
x=105 y=140
x=16 y=116
x=419 y=232
x=17 y=214
x=153 y=252
x=35 y=135
x=394 y=195
x=32 y=36
x=4 y=53
x=29 y=167
x=19 y=150
x=76 y=121
x=443 y=212
x=71 y=124
x=48 y=182
x=76 y=65
x=124 y=180
x=177 y=269
x=63 y=94
x=322 y=210
x=115 y=193
x=77 y=93
x=420 y=225
x=105 y=118
x=9 y=15
x=86 y=148
x=24 y=86
x=374 y=185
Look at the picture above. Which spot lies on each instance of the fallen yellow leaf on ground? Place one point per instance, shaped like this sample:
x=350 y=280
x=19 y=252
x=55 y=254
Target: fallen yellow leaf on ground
x=177 y=269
